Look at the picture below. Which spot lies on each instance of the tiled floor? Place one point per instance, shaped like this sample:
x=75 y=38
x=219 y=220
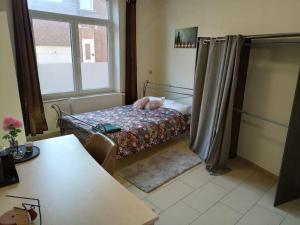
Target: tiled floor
x=243 y=196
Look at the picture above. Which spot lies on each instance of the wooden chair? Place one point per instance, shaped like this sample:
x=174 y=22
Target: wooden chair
x=103 y=150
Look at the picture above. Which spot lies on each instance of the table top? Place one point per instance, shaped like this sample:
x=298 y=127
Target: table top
x=74 y=189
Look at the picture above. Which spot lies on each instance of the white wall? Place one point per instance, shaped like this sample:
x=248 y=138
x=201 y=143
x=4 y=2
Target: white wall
x=9 y=94
x=218 y=18
x=6 y=6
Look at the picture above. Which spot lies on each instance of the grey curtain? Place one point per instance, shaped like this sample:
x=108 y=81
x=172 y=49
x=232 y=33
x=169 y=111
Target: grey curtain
x=214 y=89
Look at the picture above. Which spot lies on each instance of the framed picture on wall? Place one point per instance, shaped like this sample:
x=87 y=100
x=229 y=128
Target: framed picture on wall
x=186 y=37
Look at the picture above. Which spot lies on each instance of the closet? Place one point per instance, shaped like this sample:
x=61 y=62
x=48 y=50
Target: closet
x=254 y=125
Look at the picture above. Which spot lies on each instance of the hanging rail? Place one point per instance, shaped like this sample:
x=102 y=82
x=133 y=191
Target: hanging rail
x=272 y=43
x=254 y=37
x=261 y=118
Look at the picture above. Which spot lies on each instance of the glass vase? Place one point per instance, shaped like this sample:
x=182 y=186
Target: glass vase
x=17 y=153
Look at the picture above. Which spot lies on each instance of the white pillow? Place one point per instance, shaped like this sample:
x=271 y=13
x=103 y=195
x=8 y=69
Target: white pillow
x=160 y=99
x=178 y=106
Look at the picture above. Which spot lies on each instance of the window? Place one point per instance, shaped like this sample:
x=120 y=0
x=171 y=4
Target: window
x=86 y=5
x=94 y=56
x=54 y=56
x=85 y=8
x=72 y=46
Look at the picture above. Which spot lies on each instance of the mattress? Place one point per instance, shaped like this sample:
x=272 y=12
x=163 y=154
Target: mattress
x=140 y=129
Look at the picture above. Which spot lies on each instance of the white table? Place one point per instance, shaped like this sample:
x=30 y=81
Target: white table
x=74 y=189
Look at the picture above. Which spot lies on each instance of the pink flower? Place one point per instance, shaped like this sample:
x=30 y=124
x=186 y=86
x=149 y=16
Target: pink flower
x=11 y=122
x=18 y=124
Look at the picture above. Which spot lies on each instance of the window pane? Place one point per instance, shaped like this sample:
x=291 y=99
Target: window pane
x=54 y=55
x=94 y=56
x=86 y=8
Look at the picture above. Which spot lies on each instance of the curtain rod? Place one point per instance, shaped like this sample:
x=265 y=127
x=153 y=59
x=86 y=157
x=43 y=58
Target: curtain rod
x=261 y=118
x=272 y=43
x=254 y=37
x=277 y=35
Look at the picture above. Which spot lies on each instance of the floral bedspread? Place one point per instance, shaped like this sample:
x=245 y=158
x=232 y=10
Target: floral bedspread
x=140 y=129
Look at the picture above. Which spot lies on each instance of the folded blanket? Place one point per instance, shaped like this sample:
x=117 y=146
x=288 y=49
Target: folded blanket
x=106 y=128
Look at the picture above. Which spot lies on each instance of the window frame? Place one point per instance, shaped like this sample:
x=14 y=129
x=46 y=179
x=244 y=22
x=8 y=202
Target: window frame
x=74 y=22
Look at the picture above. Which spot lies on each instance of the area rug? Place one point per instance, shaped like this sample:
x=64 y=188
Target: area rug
x=150 y=173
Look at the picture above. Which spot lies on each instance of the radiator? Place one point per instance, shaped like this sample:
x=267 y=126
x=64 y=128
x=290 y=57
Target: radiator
x=95 y=102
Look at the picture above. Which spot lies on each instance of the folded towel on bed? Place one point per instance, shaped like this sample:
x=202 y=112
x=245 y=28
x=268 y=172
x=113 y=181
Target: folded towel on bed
x=111 y=128
x=106 y=128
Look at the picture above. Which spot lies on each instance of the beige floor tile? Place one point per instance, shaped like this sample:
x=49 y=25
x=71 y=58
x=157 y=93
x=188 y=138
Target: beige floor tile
x=170 y=194
x=219 y=214
x=267 y=201
x=178 y=214
x=205 y=197
x=197 y=177
x=244 y=169
x=238 y=163
x=139 y=193
x=293 y=210
x=261 y=181
x=229 y=180
x=188 y=171
x=197 y=198
x=243 y=197
x=291 y=220
x=260 y=216
x=122 y=181
x=238 y=174
x=292 y=207
x=152 y=206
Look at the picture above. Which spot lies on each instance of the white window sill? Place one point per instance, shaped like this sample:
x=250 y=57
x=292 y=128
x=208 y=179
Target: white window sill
x=81 y=97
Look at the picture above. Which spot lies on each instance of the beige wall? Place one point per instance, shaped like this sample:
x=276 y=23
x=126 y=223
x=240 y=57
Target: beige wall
x=6 y=6
x=157 y=21
x=148 y=54
x=9 y=94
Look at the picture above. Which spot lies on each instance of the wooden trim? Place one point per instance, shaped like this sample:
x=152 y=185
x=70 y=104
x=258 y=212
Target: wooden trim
x=288 y=187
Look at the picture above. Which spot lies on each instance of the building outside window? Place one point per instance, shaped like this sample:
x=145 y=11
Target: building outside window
x=72 y=46
x=87 y=5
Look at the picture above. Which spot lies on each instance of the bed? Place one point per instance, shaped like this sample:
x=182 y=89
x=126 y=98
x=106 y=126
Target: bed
x=140 y=129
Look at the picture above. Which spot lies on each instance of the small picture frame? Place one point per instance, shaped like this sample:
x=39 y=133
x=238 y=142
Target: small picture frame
x=186 y=37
